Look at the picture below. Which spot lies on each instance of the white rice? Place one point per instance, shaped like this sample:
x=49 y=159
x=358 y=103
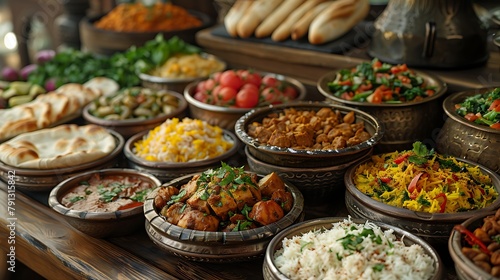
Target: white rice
x=321 y=255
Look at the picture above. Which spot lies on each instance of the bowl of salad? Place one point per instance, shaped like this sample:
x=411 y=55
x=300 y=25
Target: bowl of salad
x=227 y=95
x=421 y=190
x=406 y=101
x=472 y=129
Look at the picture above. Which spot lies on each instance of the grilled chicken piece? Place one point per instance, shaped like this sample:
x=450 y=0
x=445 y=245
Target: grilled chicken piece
x=243 y=195
x=191 y=187
x=174 y=212
x=222 y=203
x=266 y=212
x=163 y=196
x=198 y=202
x=284 y=199
x=240 y=221
x=270 y=183
x=197 y=220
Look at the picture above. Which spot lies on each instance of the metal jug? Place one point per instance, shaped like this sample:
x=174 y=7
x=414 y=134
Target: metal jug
x=430 y=33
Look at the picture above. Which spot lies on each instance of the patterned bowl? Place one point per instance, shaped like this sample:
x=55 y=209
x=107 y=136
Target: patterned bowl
x=218 y=247
x=461 y=138
x=405 y=122
x=432 y=227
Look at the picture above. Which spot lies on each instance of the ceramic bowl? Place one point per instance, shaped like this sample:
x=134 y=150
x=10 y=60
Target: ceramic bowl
x=204 y=246
x=405 y=122
x=432 y=227
x=317 y=184
x=101 y=224
x=129 y=127
x=226 y=117
x=176 y=84
x=313 y=158
x=166 y=171
x=465 y=268
x=38 y=180
x=107 y=42
x=271 y=271
x=464 y=139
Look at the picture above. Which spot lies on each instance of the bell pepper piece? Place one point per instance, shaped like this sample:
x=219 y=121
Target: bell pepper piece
x=472 y=239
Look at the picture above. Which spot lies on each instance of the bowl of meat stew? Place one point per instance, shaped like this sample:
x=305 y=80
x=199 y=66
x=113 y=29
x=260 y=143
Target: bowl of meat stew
x=221 y=215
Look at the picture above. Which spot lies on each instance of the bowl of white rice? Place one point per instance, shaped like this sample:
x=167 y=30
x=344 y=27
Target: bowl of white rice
x=346 y=248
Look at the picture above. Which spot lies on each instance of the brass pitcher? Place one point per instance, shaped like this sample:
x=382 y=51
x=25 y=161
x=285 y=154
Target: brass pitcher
x=430 y=33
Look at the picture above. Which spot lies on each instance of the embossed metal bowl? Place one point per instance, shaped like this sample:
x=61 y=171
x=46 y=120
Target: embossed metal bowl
x=317 y=184
x=204 y=246
x=101 y=224
x=465 y=268
x=38 y=180
x=129 y=127
x=464 y=139
x=307 y=158
x=226 y=117
x=271 y=271
x=432 y=227
x=404 y=123
x=166 y=171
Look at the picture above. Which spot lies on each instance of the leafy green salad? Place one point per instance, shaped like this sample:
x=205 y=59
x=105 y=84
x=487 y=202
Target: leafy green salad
x=482 y=108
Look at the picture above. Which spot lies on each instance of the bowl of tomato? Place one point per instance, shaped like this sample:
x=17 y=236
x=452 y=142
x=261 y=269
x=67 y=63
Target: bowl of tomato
x=227 y=95
x=406 y=101
x=472 y=127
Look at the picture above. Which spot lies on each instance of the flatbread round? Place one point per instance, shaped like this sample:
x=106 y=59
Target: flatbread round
x=62 y=146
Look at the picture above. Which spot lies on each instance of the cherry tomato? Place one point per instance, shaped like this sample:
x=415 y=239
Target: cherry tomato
x=201 y=96
x=290 y=92
x=225 y=96
x=248 y=96
x=251 y=77
x=200 y=86
x=272 y=95
x=229 y=78
x=209 y=84
x=270 y=81
x=216 y=76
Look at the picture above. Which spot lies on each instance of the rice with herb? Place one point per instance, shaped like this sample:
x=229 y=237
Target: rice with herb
x=182 y=141
x=352 y=251
x=422 y=180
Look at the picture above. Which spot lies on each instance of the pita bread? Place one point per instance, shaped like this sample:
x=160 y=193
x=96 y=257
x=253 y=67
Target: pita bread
x=106 y=86
x=58 y=147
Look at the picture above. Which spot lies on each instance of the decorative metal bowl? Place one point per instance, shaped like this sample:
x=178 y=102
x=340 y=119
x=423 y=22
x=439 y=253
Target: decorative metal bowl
x=38 y=180
x=317 y=184
x=175 y=84
x=204 y=246
x=271 y=272
x=166 y=171
x=226 y=117
x=465 y=268
x=404 y=122
x=464 y=139
x=101 y=224
x=129 y=127
x=307 y=158
x=432 y=227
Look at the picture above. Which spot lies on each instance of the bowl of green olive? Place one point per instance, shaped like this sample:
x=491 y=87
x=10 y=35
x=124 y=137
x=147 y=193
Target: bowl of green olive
x=135 y=109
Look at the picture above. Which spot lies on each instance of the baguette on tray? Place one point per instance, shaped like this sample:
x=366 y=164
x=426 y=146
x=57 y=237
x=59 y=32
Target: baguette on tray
x=254 y=16
x=270 y=23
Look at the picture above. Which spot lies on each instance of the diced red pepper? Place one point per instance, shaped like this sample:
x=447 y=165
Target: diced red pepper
x=443 y=204
x=471 y=117
x=495 y=106
x=377 y=64
x=346 y=95
x=471 y=238
x=377 y=97
x=495 y=126
x=412 y=187
x=130 y=205
x=345 y=83
x=430 y=92
x=401 y=158
x=385 y=179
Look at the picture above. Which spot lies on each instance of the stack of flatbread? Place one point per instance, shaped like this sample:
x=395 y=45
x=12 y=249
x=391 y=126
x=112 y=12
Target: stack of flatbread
x=58 y=147
x=52 y=108
x=320 y=20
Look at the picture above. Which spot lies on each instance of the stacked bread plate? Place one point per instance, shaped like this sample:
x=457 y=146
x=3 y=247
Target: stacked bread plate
x=179 y=147
x=133 y=110
x=219 y=215
x=39 y=160
x=310 y=144
x=421 y=191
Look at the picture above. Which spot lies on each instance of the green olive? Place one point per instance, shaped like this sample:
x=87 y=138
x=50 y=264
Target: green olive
x=113 y=117
x=104 y=111
x=141 y=111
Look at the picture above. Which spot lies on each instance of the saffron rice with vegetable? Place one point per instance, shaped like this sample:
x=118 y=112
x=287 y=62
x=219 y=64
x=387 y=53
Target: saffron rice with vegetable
x=422 y=180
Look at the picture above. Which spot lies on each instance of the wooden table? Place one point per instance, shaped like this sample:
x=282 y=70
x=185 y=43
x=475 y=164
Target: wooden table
x=46 y=243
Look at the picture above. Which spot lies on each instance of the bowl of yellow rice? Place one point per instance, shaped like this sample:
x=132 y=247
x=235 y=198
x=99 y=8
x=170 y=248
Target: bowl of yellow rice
x=178 y=147
x=421 y=191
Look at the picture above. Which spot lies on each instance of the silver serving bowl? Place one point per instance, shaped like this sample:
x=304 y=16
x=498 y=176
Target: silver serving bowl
x=166 y=171
x=129 y=127
x=405 y=122
x=226 y=117
x=271 y=272
x=204 y=246
x=317 y=184
x=38 y=180
x=465 y=268
x=464 y=139
x=101 y=224
x=432 y=227
x=307 y=158
x=175 y=84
